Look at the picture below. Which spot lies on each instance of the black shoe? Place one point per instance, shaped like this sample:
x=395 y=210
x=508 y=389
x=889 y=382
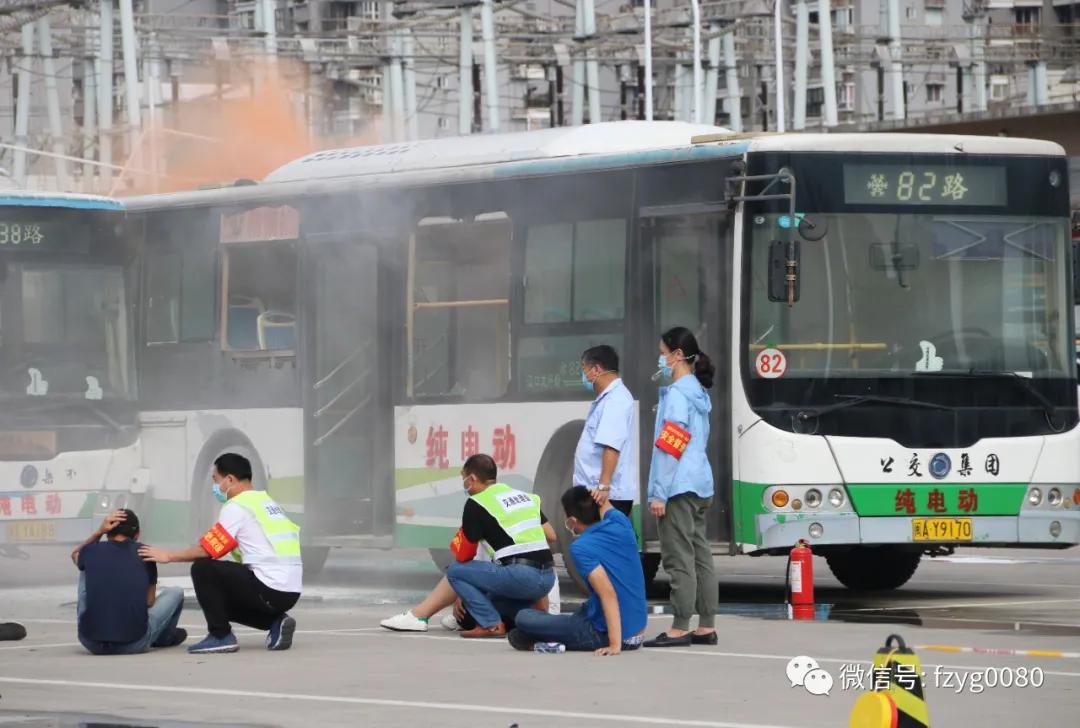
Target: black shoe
x=519 y=641
x=703 y=639
x=662 y=640
x=178 y=636
x=12 y=631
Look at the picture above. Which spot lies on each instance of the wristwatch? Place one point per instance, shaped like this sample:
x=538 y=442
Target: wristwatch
x=603 y=487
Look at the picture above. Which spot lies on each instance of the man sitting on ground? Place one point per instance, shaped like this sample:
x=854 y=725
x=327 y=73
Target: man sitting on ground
x=521 y=570
x=120 y=611
x=606 y=554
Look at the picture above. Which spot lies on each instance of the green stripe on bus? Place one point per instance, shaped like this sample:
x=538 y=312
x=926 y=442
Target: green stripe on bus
x=748 y=504
x=408 y=477
x=422 y=537
x=286 y=491
x=894 y=499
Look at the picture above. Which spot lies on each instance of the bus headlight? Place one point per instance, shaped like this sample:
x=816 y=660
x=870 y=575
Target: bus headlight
x=836 y=497
x=1035 y=496
x=813 y=498
x=1053 y=497
x=780 y=498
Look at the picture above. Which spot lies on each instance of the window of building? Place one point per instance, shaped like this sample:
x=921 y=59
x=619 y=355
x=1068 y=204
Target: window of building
x=845 y=92
x=1027 y=17
x=458 y=307
x=999 y=88
x=935 y=16
x=815 y=100
x=443 y=122
x=934 y=93
x=911 y=13
x=843 y=18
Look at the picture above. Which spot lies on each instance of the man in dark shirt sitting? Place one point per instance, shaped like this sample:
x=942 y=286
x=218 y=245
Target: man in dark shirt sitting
x=521 y=570
x=119 y=611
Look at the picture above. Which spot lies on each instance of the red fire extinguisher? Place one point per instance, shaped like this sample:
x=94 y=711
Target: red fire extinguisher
x=800 y=581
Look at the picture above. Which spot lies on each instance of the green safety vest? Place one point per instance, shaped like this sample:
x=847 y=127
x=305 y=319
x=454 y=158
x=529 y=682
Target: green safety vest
x=517 y=513
x=283 y=534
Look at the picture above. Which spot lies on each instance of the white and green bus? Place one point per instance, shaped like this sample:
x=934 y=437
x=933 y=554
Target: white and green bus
x=69 y=429
x=890 y=315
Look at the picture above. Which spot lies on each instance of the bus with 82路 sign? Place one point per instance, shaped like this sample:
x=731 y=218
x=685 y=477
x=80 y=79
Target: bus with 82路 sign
x=890 y=315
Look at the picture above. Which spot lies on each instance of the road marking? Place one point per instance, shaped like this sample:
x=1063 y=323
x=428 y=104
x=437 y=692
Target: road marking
x=460 y=707
x=40 y=647
x=997 y=651
x=965 y=605
x=837 y=660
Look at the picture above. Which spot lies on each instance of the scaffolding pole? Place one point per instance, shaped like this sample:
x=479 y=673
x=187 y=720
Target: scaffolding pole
x=491 y=71
x=712 y=77
x=52 y=100
x=131 y=70
x=802 y=61
x=577 y=71
x=592 y=66
x=896 y=67
x=465 y=64
x=105 y=85
x=23 y=81
x=778 y=43
x=397 y=89
x=696 y=109
x=731 y=74
x=828 y=68
x=412 y=116
x=89 y=125
x=648 y=62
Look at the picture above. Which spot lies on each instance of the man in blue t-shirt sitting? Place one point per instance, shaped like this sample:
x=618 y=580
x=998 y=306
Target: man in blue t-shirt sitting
x=120 y=611
x=606 y=554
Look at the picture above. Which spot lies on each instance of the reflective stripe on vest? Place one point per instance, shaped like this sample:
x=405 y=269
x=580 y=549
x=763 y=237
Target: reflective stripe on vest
x=518 y=514
x=283 y=534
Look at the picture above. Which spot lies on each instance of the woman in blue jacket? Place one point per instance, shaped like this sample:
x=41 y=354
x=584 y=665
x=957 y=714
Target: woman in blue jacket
x=681 y=488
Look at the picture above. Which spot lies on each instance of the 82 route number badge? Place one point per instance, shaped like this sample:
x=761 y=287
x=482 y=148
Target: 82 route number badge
x=770 y=364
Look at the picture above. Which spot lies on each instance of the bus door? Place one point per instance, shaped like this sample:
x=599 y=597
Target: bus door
x=346 y=407
x=684 y=268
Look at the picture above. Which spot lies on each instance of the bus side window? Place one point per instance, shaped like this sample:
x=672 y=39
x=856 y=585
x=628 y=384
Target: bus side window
x=458 y=314
x=162 y=297
x=259 y=297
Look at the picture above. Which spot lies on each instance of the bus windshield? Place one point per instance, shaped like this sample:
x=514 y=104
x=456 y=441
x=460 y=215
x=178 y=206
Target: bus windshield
x=900 y=295
x=65 y=326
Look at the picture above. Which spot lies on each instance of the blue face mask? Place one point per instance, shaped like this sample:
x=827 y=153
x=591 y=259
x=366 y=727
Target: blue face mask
x=221 y=497
x=665 y=369
x=585 y=382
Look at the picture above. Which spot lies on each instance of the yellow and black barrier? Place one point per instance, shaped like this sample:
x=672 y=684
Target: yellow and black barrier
x=898 y=698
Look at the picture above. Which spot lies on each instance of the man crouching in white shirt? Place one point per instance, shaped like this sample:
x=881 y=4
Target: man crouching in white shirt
x=263 y=583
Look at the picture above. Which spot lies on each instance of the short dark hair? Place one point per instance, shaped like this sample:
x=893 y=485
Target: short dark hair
x=578 y=502
x=604 y=355
x=482 y=466
x=235 y=465
x=128 y=528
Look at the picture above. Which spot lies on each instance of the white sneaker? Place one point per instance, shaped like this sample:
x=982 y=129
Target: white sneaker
x=449 y=623
x=405 y=622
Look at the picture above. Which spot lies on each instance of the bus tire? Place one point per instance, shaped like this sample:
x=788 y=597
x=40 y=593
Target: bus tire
x=314 y=559
x=204 y=508
x=554 y=474
x=873 y=568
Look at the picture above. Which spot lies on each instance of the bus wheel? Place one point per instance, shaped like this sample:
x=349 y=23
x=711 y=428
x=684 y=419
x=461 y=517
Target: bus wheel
x=204 y=509
x=314 y=559
x=554 y=474
x=873 y=568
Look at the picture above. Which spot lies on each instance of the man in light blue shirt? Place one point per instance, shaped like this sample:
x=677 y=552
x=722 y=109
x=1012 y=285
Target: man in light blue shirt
x=606 y=459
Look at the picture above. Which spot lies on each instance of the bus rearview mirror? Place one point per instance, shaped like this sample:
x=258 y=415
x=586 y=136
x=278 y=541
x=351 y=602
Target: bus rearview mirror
x=1076 y=274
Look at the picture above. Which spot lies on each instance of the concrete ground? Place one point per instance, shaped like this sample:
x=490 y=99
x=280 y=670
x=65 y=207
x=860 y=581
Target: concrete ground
x=345 y=670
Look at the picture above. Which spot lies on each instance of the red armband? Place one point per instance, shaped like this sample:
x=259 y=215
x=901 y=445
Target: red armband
x=673 y=440
x=217 y=541
x=462 y=548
